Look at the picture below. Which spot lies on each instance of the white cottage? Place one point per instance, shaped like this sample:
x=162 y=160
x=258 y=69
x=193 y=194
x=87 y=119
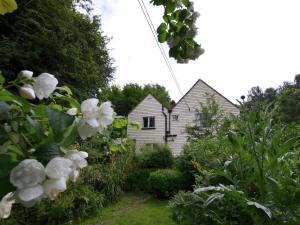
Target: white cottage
x=160 y=125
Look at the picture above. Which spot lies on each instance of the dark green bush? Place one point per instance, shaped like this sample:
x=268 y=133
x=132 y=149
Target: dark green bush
x=164 y=183
x=154 y=156
x=138 y=180
x=208 y=152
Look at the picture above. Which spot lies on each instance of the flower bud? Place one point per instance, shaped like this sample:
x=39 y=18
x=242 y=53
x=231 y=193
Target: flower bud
x=26 y=91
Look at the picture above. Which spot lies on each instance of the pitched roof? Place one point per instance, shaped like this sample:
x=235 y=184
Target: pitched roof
x=199 y=80
x=143 y=100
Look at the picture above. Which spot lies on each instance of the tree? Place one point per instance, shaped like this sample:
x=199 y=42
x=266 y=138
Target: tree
x=126 y=98
x=52 y=36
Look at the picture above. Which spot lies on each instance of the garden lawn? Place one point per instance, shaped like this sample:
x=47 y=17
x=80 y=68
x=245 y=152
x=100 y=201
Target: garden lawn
x=133 y=210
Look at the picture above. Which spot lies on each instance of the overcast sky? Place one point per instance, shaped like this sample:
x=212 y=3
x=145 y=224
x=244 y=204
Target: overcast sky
x=247 y=43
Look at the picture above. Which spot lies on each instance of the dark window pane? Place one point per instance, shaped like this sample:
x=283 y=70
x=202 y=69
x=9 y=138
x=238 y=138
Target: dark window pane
x=152 y=122
x=145 y=122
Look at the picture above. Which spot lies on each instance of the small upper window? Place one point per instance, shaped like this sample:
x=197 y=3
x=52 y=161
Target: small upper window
x=200 y=121
x=175 y=117
x=149 y=122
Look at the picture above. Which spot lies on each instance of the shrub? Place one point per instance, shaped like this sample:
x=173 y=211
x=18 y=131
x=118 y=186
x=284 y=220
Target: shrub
x=164 y=183
x=138 y=180
x=155 y=156
x=208 y=151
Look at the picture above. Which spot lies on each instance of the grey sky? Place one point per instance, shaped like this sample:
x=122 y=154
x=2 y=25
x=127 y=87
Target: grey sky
x=247 y=43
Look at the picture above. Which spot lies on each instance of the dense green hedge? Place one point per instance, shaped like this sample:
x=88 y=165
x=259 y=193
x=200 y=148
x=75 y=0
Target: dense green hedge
x=164 y=183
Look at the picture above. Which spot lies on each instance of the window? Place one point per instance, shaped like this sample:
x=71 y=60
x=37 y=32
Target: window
x=200 y=121
x=149 y=122
x=175 y=117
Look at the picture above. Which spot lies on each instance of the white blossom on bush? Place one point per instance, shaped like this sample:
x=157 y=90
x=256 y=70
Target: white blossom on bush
x=26 y=91
x=58 y=168
x=28 y=173
x=44 y=85
x=6 y=205
x=78 y=158
x=29 y=196
x=95 y=118
x=105 y=114
x=72 y=111
x=53 y=187
x=26 y=74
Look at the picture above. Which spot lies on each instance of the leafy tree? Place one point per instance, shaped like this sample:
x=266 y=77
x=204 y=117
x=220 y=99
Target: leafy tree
x=53 y=36
x=126 y=98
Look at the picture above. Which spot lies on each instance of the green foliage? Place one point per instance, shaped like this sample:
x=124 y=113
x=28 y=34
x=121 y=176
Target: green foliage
x=164 y=183
x=210 y=118
x=126 y=98
x=77 y=202
x=138 y=180
x=249 y=176
x=155 y=156
x=7 y=6
x=53 y=36
x=178 y=29
x=209 y=152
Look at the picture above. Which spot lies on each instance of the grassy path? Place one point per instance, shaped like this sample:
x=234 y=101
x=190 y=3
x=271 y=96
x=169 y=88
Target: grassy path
x=134 y=210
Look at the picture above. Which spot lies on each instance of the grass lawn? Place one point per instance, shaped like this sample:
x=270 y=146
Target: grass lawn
x=134 y=209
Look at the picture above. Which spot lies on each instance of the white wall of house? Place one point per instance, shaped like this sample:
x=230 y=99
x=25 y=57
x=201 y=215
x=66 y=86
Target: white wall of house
x=186 y=110
x=149 y=107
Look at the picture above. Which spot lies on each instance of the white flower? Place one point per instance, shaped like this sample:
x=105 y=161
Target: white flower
x=78 y=158
x=59 y=167
x=89 y=108
x=29 y=196
x=85 y=130
x=105 y=114
x=26 y=91
x=74 y=175
x=28 y=173
x=44 y=85
x=72 y=111
x=6 y=205
x=53 y=187
x=26 y=74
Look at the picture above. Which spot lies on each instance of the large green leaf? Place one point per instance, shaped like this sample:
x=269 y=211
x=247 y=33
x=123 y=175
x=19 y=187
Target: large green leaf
x=7 y=162
x=38 y=128
x=59 y=122
x=7 y=6
x=46 y=152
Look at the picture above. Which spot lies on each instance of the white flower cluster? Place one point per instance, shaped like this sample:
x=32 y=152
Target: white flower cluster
x=95 y=118
x=42 y=87
x=34 y=181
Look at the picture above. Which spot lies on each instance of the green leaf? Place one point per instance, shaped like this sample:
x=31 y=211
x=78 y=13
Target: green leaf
x=7 y=163
x=38 y=128
x=4 y=108
x=135 y=126
x=70 y=136
x=120 y=123
x=73 y=102
x=162 y=28
x=7 y=6
x=162 y=37
x=46 y=152
x=170 y=6
x=65 y=89
x=157 y=2
x=6 y=96
x=186 y=2
x=2 y=79
x=59 y=122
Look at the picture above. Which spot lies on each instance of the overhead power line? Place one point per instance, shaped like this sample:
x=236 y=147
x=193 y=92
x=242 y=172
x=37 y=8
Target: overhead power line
x=166 y=59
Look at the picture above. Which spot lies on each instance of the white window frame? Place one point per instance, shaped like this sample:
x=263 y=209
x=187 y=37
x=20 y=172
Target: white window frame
x=148 y=122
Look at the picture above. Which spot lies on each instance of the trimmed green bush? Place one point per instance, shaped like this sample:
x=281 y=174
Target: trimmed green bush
x=138 y=180
x=155 y=156
x=164 y=183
